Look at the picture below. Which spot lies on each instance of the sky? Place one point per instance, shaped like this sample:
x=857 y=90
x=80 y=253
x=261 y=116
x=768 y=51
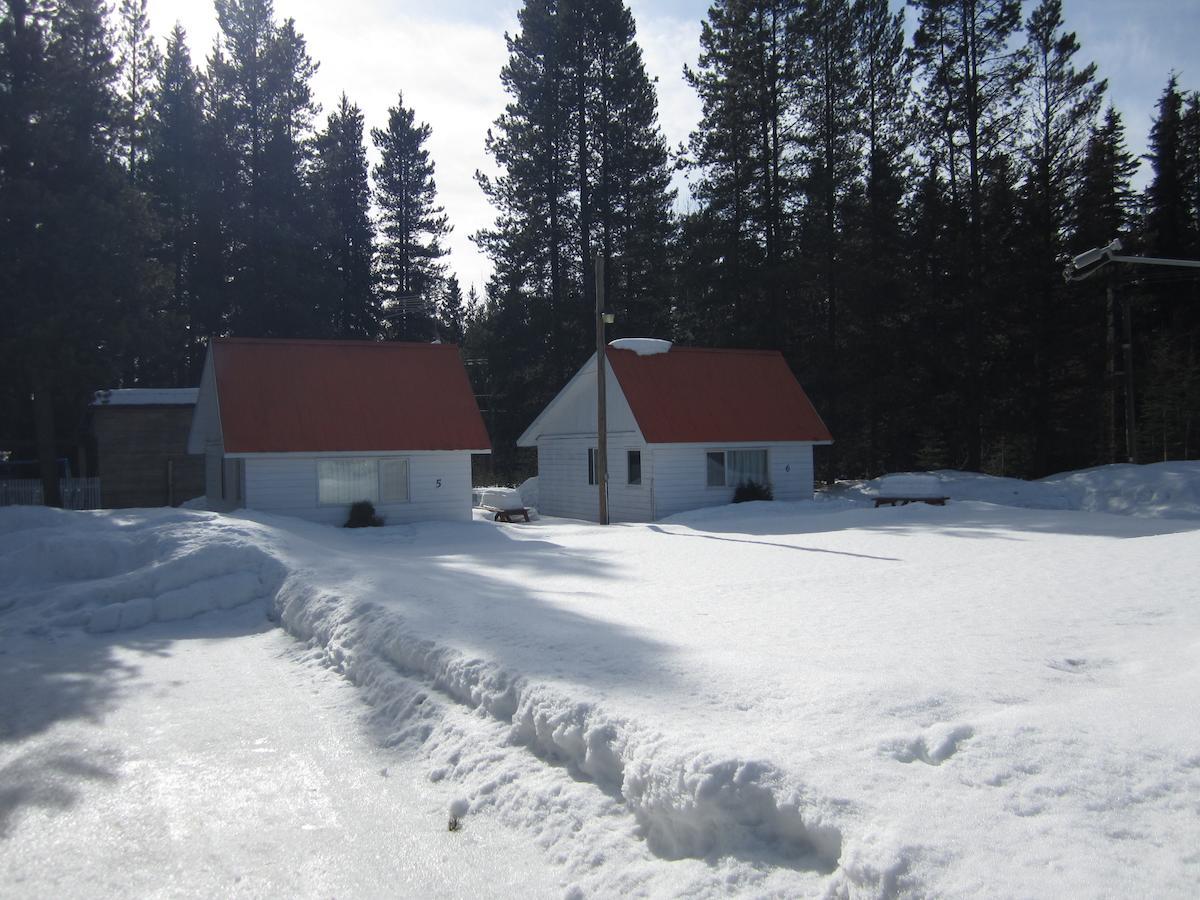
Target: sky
x=446 y=56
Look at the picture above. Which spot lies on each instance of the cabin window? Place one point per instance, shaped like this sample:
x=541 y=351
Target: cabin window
x=591 y=465
x=716 y=468
x=633 y=466
x=733 y=467
x=393 y=481
x=746 y=465
x=341 y=481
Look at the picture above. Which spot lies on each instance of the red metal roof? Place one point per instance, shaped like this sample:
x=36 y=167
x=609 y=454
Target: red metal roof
x=285 y=396
x=694 y=395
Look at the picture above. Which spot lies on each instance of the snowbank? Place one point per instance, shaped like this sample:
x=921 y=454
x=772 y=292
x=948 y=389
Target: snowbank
x=117 y=571
x=1155 y=490
x=529 y=491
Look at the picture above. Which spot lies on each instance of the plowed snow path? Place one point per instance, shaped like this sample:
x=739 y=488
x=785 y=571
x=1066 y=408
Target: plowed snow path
x=210 y=758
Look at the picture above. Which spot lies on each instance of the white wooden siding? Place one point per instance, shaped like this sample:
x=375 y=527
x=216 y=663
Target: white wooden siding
x=563 y=488
x=573 y=411
x=287 y=485
x=681 y=475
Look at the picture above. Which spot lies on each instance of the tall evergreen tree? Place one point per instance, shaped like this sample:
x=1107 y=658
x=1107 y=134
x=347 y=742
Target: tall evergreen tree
x=1105 y=207
x=734 y=281
x=452 y=311
x=1063 y=102
x=138 y=60
x=971 y=72
x=413 y=224
x=830 y=124
x=583 y=167
x=1169 y=317
x=347 y=305
x=260 y=114
x=175 y=176
x=1168 y=225
x=880 y=291
x=74 y=236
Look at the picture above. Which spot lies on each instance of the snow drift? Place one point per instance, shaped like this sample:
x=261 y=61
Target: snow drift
x=783 y=699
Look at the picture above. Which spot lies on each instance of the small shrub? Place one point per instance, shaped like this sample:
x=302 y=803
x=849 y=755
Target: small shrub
x=752 y=490
x=362 y=515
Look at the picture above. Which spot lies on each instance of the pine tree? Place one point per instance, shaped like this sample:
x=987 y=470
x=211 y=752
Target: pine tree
x=530 y=244
x=734 y=278
x=347 y=305
x=1168 y=319
x=1105 y=207
x=1063 y=106
x=971 y=73
x=1167 y=228
x=632 y=195
x=139 y=60
x=174 y=176
x=881 y=294
x=77 y=285
x=583 y=167
x=452 y=312
x=830 y=124
x=260 y=115
x=413 y=224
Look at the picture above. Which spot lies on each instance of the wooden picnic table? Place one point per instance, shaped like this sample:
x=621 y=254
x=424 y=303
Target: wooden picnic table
x=501 y=514
x=904 y=501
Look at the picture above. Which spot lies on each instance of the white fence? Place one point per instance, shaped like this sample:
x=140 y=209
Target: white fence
x=76 y=493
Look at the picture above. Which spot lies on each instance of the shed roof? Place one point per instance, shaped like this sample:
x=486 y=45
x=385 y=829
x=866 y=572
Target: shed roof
x=302 y=396
x=695 y=395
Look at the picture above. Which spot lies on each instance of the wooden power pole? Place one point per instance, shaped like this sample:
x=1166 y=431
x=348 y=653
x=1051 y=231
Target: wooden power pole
x=601 y=466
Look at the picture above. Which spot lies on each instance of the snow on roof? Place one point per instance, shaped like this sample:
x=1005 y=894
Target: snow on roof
x=303 y=396
x=641 y=346
x=146 y=397
x=694 y=394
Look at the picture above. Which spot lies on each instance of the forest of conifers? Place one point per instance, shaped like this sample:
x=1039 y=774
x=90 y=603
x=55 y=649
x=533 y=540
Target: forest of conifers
x=892 y=214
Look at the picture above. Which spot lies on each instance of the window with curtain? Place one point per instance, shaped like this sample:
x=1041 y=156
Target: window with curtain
x=746 y=465
x=342 y=481
x=633 y=466
x=393 y=481
x=729 y=468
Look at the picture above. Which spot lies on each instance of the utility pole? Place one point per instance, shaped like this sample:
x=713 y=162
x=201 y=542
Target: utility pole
x=1127 y=341
x=601 y=467
x=1089 y=263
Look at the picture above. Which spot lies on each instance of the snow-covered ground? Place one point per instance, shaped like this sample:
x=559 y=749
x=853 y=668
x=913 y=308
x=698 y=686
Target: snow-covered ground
x=812 y=699
x=212 y=758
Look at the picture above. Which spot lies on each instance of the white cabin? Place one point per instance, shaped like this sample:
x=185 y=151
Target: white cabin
x=686 y=425
x=306 y=428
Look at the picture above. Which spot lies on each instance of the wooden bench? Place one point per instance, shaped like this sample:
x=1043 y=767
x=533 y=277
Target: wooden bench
x=500 y=514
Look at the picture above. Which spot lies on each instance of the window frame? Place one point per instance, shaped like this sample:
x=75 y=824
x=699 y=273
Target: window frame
x=708 y=454
x=377 y=494
x=407 y=479
x=725 y=451
x=629 y=456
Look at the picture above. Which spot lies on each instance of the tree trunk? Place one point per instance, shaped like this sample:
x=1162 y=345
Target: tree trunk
x=43 y=419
